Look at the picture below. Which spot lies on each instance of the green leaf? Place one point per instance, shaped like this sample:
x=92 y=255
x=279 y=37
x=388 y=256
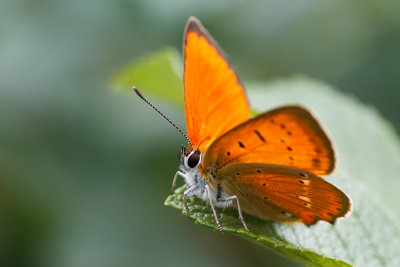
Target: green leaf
x=368 y=154
x=265 y=233
x=159 y=74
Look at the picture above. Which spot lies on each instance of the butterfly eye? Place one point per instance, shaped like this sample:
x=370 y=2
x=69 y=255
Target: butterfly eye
x=194 y=159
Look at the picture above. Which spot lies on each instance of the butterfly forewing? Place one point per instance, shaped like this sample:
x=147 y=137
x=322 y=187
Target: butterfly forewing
x=287 y=136
x=214 y=98
x=283 y=193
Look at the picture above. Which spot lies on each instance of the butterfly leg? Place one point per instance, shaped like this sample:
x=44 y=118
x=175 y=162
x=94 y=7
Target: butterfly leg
x=178 y=173
x=190 y=190
x=213 y=208
x=228 y=199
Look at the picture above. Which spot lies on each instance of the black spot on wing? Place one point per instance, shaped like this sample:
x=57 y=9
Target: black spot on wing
x=259 y=135
x=316 y=162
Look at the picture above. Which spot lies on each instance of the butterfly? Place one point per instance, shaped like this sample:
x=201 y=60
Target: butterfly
x=269 y=166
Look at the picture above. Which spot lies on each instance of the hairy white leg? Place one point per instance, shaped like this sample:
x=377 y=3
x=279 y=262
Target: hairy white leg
x=238 y=207
x=212 y=207
x=190 y=190
x=175 y=178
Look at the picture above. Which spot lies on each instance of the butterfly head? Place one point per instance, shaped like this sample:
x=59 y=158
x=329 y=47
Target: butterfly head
x=189 y=159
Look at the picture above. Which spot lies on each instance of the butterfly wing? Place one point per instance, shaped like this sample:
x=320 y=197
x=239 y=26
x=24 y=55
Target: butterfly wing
x=287 y=136
x=283 y=193
x=215 y=101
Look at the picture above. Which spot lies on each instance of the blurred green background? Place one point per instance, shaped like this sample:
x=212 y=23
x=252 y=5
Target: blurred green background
x=84 y=171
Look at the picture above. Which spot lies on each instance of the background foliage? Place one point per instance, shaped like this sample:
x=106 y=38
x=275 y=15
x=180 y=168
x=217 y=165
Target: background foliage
x=78 y=186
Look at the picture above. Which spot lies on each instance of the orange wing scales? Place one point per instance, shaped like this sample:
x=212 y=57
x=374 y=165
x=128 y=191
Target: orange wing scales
x=215 y=101
x=287 y=136
x=283 y=193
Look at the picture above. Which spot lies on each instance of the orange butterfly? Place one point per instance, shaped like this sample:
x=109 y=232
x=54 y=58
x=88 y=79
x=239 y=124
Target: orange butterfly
x=266 y=166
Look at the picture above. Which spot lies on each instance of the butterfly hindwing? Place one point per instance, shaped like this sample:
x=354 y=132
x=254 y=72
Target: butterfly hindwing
x=283 y=193
x=215 y=101
x=287 y=136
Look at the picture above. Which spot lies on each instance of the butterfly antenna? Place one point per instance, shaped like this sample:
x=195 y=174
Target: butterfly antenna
x=162 y=114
